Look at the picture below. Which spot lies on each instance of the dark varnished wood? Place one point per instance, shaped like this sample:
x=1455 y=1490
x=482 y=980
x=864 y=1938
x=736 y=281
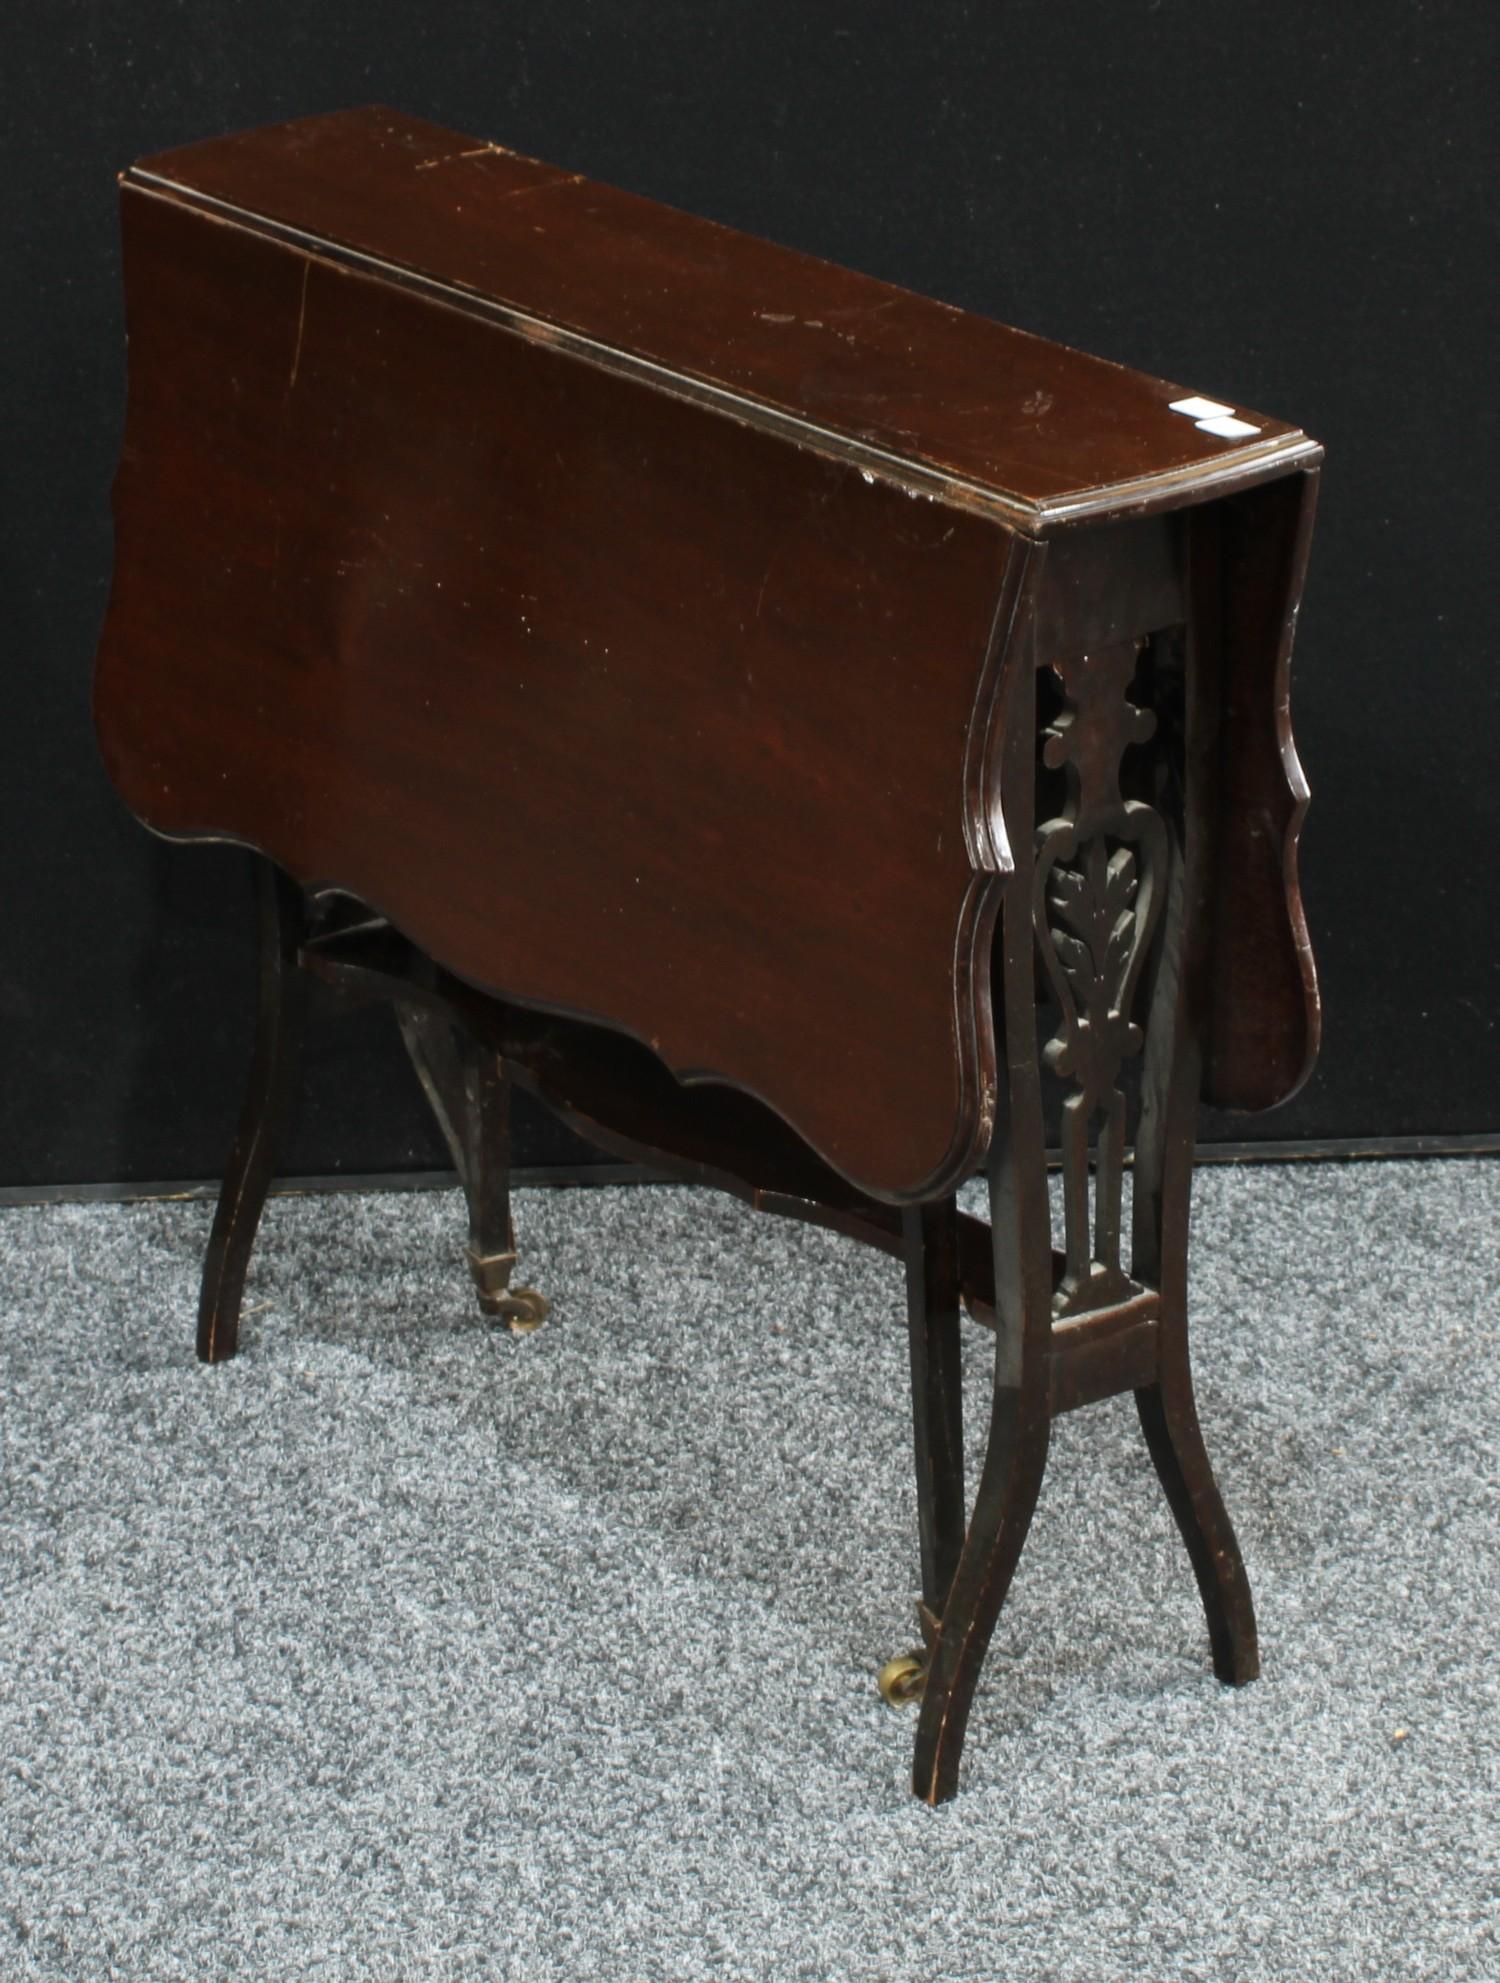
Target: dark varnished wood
x=1102 y=1353
x=617 y=1095
x=367 y=539
x=1265 y=1016
x=1179 y=1026
x=1096 y=901
x=468 y=1086
x=1020 y=1416
x=934 y=1286
x=269 y=1098
x=757 y=711
x=978 y=403
x=691 y=703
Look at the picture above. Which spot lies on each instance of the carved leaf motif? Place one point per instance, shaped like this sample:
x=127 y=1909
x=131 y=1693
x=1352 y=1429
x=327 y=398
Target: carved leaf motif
x=1094 y=927
x=1076 y=961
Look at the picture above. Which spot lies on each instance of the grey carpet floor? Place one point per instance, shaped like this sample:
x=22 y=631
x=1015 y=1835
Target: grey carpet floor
x=401 y=1649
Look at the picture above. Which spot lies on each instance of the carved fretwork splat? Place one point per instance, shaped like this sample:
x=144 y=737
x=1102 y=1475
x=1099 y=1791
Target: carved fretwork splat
x=1100 y=876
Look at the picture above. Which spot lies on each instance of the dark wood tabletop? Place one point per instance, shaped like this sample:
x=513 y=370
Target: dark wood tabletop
x=1040 y=430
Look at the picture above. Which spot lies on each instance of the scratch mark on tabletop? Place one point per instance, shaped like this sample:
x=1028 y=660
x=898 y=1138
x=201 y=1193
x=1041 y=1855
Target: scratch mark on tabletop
x=544 y=186
x=301 y=323
x=448 y=157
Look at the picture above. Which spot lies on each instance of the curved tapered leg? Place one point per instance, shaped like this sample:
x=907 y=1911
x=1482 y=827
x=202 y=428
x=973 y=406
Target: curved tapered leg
x=1020 y=1423
x=1168 y=1411
x=930 y=1244
x=269 y=1097
x=1003 y=1508
x=491 y=1250
x=1169 y=1419
x=468 y=1087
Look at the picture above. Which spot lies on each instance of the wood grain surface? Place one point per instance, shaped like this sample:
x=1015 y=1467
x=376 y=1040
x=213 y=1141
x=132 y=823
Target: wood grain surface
x=616 y=706
x=974 y=400
x=619 y=695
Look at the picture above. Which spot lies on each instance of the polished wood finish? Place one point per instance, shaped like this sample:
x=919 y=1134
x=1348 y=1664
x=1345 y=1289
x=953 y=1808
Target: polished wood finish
x=934 y=1291
x=270 y=1096
x=946 y=396
x=367 y=538
x=690 y=702
x=468 y=1085
x=764 y=714
x=1265 y=1018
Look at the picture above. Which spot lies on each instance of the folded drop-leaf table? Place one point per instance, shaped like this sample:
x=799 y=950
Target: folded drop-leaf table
x=821 y=742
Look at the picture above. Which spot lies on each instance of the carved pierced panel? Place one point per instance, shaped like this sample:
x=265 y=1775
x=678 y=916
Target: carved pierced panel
x=1100 y=882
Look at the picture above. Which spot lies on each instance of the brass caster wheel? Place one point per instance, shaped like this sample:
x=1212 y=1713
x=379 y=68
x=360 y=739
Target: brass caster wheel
x=901 y=1680
x=521 y=1310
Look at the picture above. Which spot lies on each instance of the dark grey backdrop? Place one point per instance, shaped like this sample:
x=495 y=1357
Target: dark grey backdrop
x=1286 y=204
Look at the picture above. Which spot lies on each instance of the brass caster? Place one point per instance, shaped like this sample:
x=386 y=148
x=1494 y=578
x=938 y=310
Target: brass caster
x=521 y=1310
x=902 y=1679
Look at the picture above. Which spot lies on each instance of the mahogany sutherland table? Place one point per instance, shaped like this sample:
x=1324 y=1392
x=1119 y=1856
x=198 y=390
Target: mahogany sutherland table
x=813 y=738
